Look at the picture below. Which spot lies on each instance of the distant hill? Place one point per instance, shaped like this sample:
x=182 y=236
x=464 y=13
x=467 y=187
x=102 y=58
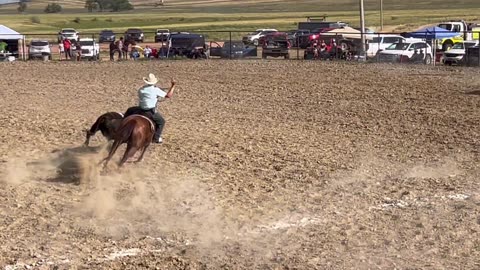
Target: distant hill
x=249 y=6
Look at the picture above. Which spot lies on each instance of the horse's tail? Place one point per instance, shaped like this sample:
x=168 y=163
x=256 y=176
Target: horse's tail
x=96 y=126
x=125 y=131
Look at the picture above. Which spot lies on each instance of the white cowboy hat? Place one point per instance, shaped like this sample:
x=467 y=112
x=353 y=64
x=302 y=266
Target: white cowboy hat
x=151 y=80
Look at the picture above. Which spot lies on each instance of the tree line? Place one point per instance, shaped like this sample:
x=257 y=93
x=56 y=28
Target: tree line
x=90 y=5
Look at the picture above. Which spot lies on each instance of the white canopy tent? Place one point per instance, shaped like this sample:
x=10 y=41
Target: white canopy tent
x=9 y=34
x=12 y=38
x=347 y=32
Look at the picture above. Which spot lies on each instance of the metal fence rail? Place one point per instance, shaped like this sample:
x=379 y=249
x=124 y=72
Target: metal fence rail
x=346 y=46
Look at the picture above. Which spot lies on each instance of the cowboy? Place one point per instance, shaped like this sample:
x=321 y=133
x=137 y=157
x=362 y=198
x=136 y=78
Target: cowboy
x=148 y=97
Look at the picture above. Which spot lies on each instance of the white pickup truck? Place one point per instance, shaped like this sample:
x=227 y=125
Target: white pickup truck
x=381 y=42
x=90 y=49
x=67 y=33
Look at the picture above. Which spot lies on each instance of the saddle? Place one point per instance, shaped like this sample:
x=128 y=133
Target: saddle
x=145 y=114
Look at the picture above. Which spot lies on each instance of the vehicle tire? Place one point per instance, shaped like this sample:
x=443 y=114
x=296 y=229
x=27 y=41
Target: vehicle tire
x=428 y=60
x=264 y=56
x=447 y=45
x=287 y=56
x=50 y=57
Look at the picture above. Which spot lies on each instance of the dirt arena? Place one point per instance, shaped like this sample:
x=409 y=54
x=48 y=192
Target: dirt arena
x=265 y=165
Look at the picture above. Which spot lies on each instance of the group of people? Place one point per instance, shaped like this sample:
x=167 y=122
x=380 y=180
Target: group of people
x=129 y=49
x=324 y=51
x=66 y=47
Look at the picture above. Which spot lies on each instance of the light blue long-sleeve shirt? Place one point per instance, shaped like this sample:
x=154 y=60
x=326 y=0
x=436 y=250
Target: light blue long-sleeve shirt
x=148 y=96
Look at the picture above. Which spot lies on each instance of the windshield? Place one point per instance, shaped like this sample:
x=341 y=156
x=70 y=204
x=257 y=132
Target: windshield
x=458 y=46
x=375 y=40
x=107 y=33
x=68 y=31
x=86 y=43
x=235 y=45
x=134 y=31
x=39 y=43
x=398 y=46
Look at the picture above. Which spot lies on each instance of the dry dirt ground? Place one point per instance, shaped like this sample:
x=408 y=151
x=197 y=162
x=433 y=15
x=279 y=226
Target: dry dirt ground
x=265 y=165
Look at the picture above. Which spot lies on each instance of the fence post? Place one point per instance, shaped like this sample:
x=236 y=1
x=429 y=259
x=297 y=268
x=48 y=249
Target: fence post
x=230 y=52
x=24 y=56
x=298 y=46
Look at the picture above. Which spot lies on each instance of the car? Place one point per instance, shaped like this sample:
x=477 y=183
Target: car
x=39 y=49
x=106 y=36
x=381 y=42
x=293 y=36
x=407 y=52
x=276 y=46
x=90 y=49
x=253 y=38
x=457 y=52
x=67 y=33
x=134 y=34
x=162 y=35
x=472 y=56
x=234 y=49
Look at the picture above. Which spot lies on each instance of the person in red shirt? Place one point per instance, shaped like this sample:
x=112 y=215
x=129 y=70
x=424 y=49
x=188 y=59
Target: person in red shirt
x=67 y=47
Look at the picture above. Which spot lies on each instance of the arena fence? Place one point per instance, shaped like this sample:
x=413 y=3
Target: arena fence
x=348 y=46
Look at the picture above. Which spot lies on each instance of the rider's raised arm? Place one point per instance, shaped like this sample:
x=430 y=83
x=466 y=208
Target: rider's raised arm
x=172 y=88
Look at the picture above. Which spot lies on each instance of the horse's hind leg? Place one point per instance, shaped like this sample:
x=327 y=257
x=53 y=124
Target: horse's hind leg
x=114 y=148
x=143 y=153
x=130 y=152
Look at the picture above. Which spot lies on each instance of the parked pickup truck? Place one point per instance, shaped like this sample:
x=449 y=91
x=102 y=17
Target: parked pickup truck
x=67 y=33
x=276 y=46
x=407 y=52
x=162 y=35
x=381 y=42
x=90 y=49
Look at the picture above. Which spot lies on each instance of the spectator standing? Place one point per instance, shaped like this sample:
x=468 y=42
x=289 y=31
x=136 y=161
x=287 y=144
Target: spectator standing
x=112 y=49
x=120 y=48
x=67 y=47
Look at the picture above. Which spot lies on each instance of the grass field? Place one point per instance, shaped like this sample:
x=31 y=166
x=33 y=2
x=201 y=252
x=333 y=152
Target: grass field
x=243 y=15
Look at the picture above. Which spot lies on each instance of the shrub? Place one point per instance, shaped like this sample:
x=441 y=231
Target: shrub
x=94 y=19
x=35 y=19
x=109 y=20
x=77 y=20
x=22 y=6
x=53 y=8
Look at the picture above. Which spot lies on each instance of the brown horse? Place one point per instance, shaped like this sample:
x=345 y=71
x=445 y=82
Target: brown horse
x=135 y=130
x=107 y=123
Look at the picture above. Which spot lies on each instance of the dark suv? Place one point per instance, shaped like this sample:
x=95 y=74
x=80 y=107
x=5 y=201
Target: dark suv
x=106 y=36
x=134 y=34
